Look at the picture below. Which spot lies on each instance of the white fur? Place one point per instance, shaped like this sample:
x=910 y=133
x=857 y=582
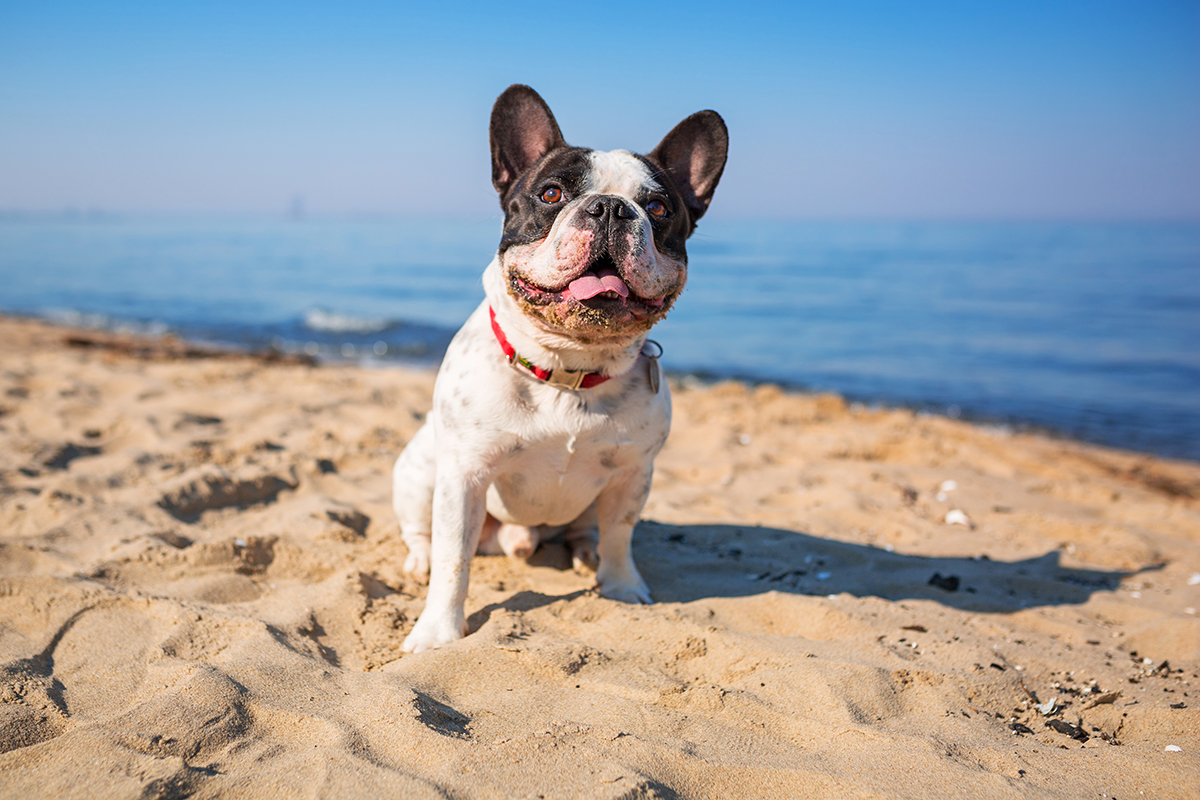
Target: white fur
x=503 y=449
x=499 y=442
x=619 y=172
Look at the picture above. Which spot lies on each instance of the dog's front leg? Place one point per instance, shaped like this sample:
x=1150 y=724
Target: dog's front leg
x=412 y=497
x=617 y=509
x=458 y=513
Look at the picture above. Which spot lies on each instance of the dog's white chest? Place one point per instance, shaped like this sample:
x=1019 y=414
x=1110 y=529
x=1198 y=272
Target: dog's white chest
x=569 y=453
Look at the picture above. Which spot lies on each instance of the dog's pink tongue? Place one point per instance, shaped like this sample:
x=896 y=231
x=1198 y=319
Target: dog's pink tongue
x=588 y=286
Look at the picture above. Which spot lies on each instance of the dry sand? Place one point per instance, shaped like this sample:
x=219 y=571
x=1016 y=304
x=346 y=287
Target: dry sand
x=200 y=595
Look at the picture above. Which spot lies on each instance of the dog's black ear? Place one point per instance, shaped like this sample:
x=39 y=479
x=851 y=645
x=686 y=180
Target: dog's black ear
x=522 y=131
x=694 y=153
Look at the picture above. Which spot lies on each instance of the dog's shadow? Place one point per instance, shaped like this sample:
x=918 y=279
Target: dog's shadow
x=683 y=563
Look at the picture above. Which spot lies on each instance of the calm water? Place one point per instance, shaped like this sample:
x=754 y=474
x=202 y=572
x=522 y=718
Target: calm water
x=1091 y=330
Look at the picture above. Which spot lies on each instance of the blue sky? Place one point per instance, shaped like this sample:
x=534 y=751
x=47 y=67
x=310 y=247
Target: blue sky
x=1087 y=110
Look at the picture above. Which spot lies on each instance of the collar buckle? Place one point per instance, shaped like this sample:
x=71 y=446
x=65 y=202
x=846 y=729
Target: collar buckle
x=566 y=378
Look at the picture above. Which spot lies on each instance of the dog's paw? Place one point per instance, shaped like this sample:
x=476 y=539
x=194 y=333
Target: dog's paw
x=518 y=541
x=629 y=589
x=583 y=542
x=429 y=634
x=417 y=562
x=584 y=557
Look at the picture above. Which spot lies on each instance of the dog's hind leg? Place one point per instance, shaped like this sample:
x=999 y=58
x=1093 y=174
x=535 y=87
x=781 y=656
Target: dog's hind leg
x=412 y=498
x=518 y=541
x=581 y=537
x=489 y=542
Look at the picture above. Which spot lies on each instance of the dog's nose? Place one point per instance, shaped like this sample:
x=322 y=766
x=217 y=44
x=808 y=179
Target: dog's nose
x=609 y=205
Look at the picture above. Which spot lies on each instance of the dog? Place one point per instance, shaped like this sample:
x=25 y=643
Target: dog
x=549 y=406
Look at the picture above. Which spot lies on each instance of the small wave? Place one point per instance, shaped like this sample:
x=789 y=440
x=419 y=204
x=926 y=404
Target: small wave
x=81 y=319
x=318 y=319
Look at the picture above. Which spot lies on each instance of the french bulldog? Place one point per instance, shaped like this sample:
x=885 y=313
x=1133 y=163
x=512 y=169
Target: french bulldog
x=549 y=406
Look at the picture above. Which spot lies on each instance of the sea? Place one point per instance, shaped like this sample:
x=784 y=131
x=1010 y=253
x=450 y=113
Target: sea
x=1085 y=330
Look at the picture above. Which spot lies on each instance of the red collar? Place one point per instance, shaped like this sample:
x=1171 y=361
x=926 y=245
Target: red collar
x=564 y=378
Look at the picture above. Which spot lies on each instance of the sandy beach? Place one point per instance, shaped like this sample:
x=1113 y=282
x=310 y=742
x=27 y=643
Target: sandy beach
x=201 y=596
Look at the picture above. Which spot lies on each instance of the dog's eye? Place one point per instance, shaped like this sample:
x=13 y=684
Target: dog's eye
x=551 y=194
x=656 y=208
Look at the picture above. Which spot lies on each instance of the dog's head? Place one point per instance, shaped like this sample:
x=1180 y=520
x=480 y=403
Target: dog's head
x=593 y=243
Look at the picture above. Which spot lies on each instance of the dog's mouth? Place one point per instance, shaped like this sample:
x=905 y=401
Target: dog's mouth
x=600 y=287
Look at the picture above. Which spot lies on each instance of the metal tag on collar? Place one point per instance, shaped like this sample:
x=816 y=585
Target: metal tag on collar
x=566 y=378
x=653 y=351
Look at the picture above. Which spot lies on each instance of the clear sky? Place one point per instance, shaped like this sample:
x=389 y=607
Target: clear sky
x=1074 y=110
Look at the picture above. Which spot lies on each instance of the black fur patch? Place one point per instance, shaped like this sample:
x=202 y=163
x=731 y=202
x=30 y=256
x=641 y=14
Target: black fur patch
x=528 y=219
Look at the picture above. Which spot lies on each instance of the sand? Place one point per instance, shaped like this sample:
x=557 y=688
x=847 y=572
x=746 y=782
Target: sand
x=201 y=596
